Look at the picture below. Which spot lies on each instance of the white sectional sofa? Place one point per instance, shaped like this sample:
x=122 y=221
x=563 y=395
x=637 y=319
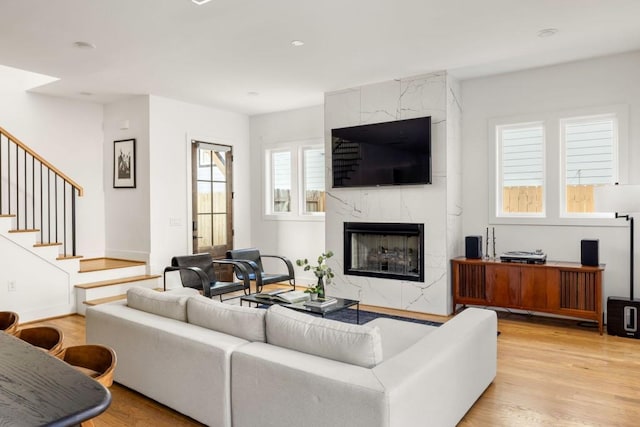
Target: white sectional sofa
x=226 y=365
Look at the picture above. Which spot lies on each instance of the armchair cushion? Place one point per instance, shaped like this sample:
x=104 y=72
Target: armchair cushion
x=242 y=322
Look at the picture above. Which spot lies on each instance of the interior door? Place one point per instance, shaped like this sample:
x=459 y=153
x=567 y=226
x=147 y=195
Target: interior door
x=212 y=196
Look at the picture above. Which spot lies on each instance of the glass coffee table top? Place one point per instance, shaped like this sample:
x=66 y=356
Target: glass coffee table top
x=341 y=304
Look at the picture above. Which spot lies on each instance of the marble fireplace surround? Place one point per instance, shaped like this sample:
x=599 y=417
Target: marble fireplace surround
x=437 y=205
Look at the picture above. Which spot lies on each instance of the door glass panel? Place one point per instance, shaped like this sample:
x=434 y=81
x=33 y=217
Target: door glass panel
x=219 y=229
x=219 y=197
x=204 y=197
x=204 y=230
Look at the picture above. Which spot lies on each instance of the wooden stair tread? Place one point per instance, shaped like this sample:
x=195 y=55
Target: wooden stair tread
x=30 y=230
x=105 y=300
x=98 y=264
x=117 y=281
x=41 y=245
x=7 y=216
x=63 y=257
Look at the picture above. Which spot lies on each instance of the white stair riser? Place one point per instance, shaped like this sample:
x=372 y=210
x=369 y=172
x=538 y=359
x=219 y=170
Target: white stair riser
x=24 y=239
x=111 y=274
x=6 y=224
x=83 y=295
x=47 y=252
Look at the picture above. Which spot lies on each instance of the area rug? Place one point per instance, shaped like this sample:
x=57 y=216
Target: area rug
x=349 y=316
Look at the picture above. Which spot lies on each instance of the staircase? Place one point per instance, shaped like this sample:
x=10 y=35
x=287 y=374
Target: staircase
x=41 y=274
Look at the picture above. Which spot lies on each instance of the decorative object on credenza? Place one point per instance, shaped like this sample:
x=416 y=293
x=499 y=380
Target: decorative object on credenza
x=622 y=313
x=473 y=247
x=589 y=253
x=321 y=271
x=124 y=163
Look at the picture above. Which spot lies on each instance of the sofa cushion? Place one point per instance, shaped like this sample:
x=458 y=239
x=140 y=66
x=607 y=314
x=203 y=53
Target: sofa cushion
x=167 y=304
x=397 y=335
x=355 y=344
x=242 y=322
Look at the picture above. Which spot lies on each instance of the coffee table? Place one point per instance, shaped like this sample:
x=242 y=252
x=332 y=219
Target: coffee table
x=341 y=304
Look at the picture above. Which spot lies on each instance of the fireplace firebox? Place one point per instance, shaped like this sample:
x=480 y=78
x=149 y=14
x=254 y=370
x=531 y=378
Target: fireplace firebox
x=389 y=250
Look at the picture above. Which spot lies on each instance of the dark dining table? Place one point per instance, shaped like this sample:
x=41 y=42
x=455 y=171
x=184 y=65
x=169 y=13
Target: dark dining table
x=37 y=389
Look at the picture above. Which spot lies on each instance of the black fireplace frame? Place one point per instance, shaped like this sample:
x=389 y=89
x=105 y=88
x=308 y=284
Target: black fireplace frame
x=386 y=228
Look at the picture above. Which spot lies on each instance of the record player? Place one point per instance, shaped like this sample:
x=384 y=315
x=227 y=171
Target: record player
x=536 y=257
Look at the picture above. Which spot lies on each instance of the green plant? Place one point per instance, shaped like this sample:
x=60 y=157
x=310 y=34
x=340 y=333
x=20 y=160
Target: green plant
x=321 y=270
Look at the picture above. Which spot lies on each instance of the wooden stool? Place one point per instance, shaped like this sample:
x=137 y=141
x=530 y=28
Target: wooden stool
x=97 y=361
x=9 y=322
x=48 y=338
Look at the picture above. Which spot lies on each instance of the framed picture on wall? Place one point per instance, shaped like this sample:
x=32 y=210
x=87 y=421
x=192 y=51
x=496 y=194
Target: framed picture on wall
x=124 y=163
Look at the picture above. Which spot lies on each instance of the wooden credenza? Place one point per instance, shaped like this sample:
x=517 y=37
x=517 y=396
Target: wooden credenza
x=562 y=288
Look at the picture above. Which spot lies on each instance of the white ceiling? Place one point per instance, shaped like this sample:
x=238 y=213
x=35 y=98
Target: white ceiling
x=221 y=53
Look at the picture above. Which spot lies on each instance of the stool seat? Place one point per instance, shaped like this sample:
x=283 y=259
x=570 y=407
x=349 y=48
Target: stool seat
x=9 y=322
x=48 y=338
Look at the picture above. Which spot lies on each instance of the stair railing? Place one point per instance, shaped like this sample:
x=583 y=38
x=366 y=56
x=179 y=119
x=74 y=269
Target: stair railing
x=41 y=198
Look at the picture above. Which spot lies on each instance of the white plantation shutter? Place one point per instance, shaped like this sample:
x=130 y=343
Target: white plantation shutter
x=590 y=151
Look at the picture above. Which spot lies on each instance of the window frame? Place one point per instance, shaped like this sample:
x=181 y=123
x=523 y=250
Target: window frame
x=298 y=208
x=554 y=167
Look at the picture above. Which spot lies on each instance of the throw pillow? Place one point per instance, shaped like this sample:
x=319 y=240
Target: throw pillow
x=355 y=344
x=242 y=322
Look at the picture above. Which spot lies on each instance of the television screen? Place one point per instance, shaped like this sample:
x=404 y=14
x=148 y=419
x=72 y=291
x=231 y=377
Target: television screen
x=389 y=153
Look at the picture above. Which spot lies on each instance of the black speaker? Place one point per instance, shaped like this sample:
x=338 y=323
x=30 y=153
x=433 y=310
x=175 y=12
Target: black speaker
x=589 y=253
x=622 y=317
x=473 y=247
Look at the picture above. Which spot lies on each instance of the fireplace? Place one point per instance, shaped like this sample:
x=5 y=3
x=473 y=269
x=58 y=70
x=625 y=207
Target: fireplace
x=389 y=250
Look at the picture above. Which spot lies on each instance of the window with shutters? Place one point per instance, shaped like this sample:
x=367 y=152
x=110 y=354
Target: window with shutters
x=295 y=181
x=521 y=156
x=590 y=158
x=546 y=166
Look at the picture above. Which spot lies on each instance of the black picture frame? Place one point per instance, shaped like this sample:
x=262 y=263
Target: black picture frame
x=124 y=163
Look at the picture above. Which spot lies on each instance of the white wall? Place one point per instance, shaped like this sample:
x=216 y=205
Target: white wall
x=172 y=126
x=292 y=238
x=597 y=82
x=127 y=209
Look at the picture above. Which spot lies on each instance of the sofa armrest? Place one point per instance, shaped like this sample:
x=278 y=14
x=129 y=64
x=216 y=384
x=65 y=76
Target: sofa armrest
x=444 y=373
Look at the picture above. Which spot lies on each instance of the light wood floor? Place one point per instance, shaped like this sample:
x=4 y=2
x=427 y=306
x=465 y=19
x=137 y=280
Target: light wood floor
x=550 y=373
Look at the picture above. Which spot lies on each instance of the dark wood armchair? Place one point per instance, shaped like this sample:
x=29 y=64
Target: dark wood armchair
x=196 y=271
x=252 y=259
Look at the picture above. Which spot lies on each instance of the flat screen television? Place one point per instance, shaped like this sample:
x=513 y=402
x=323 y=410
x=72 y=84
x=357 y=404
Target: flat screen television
x=389 y=153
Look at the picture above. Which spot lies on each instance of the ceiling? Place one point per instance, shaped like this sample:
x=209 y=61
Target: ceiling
x=237 y=54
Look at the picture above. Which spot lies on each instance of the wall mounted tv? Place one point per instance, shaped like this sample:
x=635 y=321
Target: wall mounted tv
x=389 y=153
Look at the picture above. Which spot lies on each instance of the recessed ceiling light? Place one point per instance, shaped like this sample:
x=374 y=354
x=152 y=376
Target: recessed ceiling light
x=253 y=93
x=85 y=93
x=297 y=43
x=199 y=2
x=84 y=45
x=547 y=32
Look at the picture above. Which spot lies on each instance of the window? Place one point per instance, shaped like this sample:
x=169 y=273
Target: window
x=590 y=159
x=521 y=162
x=313 y=179
x=295 y=180
x=281 y=180
x=545 y=167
